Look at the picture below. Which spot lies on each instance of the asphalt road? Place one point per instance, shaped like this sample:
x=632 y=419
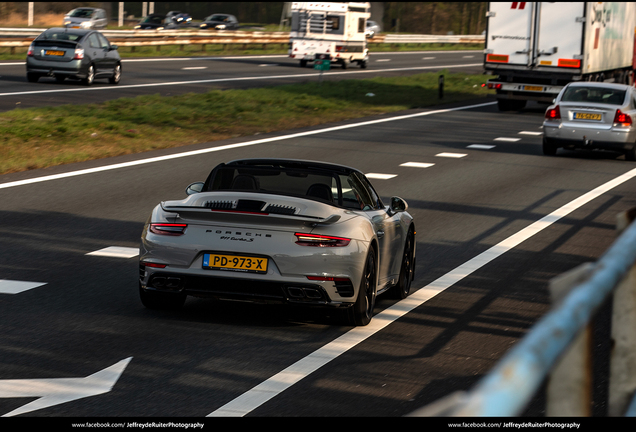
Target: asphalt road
x=173 y=76
x=74 y=314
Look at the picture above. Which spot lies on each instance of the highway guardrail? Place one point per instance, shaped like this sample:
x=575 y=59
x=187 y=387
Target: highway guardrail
x=22 y=37
x=559 y=346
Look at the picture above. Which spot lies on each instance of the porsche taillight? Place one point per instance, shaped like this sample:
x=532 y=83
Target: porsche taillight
x=320 y=240
x=171 y=229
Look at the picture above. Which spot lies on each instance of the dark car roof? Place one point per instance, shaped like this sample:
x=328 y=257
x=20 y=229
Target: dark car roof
x=82 y=32
x=292 y=163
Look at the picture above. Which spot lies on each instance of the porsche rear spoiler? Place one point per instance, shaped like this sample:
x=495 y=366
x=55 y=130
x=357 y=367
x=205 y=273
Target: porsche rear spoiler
x=242 y=216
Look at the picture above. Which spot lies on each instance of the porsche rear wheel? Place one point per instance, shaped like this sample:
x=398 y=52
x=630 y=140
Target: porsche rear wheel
x=161 y=300
x=407 y=271
x=361 y=312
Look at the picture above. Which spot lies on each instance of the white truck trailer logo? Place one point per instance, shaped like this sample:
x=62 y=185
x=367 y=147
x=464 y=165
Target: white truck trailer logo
x=535 y=48
x=336 y=29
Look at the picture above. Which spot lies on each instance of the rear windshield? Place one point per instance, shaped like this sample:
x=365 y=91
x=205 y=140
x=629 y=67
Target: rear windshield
x=604 y=95
x=81 y=13
x=60 y=35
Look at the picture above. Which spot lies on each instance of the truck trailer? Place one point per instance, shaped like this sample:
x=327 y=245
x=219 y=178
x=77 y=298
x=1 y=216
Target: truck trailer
x=333 y=29
x=536 y=48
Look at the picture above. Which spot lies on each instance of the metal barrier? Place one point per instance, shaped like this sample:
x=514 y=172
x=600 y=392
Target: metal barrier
x=558 y=346
x=22 y=37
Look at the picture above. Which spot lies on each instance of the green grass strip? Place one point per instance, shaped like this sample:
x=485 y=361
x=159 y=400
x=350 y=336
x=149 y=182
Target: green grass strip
x=42 y=137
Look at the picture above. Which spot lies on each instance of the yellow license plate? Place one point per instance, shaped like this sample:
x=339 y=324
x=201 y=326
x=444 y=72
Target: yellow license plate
x=586 y=116
x=533 y=88
x=54 y=53
x=235 y=262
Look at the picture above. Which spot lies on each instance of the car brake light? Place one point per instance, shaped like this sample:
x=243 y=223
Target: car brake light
x=495 y=86
x=155 y=265
x=320 y=240
x=79 y=54
x=171 y=229
x=553 y=113
x=30 y=51
x=622 y=119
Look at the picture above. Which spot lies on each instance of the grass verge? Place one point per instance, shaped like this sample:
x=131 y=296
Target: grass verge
x=42 y=137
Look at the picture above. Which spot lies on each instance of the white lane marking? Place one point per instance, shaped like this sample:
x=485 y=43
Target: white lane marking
x=268 y=64
x=55 y=391
x=230 y=146
x=481 y=146
x=470 y=56
x=380 y=176
x=507 y=139
x=194 y=68
x=451 y=155
x=530 y=133
x=116 y=252
x=16 y=287
x=428 y=58
x=206 y=81
x=383 y=60
x=270 y=388
x=417 y=164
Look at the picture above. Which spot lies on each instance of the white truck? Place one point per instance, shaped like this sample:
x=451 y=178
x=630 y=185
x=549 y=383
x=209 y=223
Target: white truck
x=336 y=29
x=535 y=48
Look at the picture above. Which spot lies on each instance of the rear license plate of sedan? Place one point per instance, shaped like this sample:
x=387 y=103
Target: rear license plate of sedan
x=533 y=88
x=54 y=53
x=586 y=116
x=235 y=263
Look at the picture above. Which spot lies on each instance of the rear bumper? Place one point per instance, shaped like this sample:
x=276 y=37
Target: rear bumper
x=245 y=289
x=620 y=139
x=74 y=68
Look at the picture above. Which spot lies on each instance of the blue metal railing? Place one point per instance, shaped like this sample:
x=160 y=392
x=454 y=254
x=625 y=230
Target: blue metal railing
x=508 y=388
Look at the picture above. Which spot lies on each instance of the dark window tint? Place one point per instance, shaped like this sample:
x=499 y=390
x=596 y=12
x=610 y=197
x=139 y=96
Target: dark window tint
x=591 y=94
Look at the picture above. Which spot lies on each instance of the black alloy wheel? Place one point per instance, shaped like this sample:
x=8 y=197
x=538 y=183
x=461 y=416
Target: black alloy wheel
x=407 y=270
x=361 y=312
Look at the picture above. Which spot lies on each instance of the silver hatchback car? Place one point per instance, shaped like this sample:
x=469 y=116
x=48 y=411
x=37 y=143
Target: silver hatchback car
x=592 y=115
x=86 y=18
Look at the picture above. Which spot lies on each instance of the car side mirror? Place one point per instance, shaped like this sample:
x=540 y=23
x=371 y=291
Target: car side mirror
x=194 y=188
x=113 y=47
x=398 y=205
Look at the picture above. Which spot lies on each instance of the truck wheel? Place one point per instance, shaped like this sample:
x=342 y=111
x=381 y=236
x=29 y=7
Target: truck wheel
x=363 y=64
x=345 y=63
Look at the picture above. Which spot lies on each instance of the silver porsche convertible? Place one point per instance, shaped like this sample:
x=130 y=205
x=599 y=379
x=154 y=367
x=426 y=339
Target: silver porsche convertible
x=279 y=230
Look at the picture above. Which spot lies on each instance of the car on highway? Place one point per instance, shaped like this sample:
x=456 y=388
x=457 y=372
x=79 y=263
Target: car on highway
x=220 y=21
x=75 y=54
x=592 y=115
x=151 y=22
x=86 y=18
x=178 y=20
x=282 y=231
x=372 y=28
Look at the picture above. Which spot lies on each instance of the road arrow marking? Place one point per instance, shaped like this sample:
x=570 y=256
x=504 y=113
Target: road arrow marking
x=55 y=391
